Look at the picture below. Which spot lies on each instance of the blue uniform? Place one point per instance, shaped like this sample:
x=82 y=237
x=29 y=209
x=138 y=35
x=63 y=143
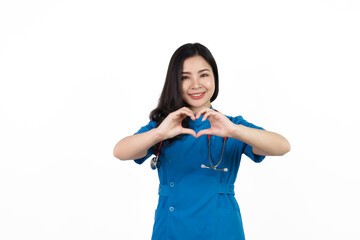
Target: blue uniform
x=194 y=202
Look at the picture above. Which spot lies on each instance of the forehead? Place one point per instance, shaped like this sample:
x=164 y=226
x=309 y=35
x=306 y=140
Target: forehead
x=194 y=64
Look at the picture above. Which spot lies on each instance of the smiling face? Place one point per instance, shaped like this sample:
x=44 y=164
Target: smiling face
x=198 y=83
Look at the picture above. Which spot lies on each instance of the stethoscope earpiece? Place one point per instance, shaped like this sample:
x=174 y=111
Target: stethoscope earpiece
x=222 y=152
x=223 y=170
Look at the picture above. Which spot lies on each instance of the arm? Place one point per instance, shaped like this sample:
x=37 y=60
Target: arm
x=264 y=143
x=135 y=146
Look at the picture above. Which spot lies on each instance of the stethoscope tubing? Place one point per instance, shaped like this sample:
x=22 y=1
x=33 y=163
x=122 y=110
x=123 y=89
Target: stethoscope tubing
x=155 y=162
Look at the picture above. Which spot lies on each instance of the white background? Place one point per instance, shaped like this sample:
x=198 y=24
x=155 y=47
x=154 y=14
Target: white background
x=77 y=76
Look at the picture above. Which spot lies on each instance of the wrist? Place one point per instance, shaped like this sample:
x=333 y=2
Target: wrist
x=158 y=135
x=237 y=132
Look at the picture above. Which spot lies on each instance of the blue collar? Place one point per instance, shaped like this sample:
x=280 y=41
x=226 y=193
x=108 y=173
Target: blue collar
x=198 y=122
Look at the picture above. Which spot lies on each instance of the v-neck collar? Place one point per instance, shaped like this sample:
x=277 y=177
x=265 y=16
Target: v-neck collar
x=198 y=122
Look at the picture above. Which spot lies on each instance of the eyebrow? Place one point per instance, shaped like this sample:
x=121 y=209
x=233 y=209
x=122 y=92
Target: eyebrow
x=202 y=70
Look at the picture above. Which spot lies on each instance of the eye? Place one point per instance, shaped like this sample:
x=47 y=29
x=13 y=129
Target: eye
x=204 y=75
x=184 y=77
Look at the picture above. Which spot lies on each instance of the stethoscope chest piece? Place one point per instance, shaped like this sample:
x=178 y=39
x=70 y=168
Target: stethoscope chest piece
x=155 y=163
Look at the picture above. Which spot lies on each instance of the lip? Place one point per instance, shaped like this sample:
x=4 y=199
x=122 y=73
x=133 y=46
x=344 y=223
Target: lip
x=198 y=96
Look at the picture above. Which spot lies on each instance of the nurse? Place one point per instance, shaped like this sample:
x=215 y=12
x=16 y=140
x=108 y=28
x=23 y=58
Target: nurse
x=199 y=151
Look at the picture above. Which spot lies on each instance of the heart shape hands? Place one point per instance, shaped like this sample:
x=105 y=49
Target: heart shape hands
x=171 y=126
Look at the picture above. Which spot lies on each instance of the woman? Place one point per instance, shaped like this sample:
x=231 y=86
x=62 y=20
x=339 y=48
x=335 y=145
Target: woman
x=199 y=151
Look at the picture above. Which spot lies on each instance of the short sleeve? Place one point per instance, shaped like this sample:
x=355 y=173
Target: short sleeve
x=248 y=150
x=150 y=151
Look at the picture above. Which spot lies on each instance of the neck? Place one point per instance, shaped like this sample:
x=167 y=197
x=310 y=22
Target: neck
x=197 y=109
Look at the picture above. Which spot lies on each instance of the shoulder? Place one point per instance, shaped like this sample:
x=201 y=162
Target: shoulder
x=151 y=124
x=237 y=119
x=145 y=128
x=240 y=120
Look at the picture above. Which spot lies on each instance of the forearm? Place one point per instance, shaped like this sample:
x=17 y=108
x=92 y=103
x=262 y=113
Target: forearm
x=135 y=146
x=263 y=142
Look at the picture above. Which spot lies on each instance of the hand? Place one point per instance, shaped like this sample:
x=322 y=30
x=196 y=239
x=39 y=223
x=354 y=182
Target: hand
x=220 y=125
x=171 y=125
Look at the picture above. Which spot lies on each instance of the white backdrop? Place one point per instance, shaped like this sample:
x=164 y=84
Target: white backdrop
x=77 y=76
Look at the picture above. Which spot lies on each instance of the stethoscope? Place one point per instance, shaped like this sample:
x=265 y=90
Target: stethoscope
x=222 y=152
x=155 y=162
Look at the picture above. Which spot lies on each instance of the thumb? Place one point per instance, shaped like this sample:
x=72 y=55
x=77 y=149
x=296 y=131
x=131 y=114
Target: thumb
x=188 y=131
x=204 y=132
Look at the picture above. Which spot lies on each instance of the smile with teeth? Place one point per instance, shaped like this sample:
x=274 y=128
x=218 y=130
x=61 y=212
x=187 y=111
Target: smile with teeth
x=197 y=96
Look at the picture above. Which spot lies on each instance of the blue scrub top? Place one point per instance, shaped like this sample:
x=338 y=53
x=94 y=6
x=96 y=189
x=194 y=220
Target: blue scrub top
x=194 y=202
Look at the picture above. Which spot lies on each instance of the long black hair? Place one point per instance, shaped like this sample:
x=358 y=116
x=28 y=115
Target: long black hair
x=171 y=96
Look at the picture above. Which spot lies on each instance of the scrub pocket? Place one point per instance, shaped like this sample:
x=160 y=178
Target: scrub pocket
x=229 y=223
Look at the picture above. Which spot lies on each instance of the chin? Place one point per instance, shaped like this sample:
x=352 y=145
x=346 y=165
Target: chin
x=198 y=105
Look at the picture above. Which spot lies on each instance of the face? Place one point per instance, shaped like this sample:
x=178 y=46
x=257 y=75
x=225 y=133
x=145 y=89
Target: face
x=198 y=84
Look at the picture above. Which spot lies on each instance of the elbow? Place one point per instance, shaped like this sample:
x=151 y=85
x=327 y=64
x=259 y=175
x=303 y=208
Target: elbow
x=117 y=154
x=285 y=147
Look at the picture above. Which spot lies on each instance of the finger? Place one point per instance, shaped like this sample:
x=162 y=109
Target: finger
x=190 y=114
x=204 y=132
x=188 y=110
x=184 y=112
x=202 y=112
x=188 y=131
x=208 y=114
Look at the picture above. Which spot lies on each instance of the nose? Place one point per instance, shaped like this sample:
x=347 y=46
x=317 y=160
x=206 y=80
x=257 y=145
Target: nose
x=195 y=83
